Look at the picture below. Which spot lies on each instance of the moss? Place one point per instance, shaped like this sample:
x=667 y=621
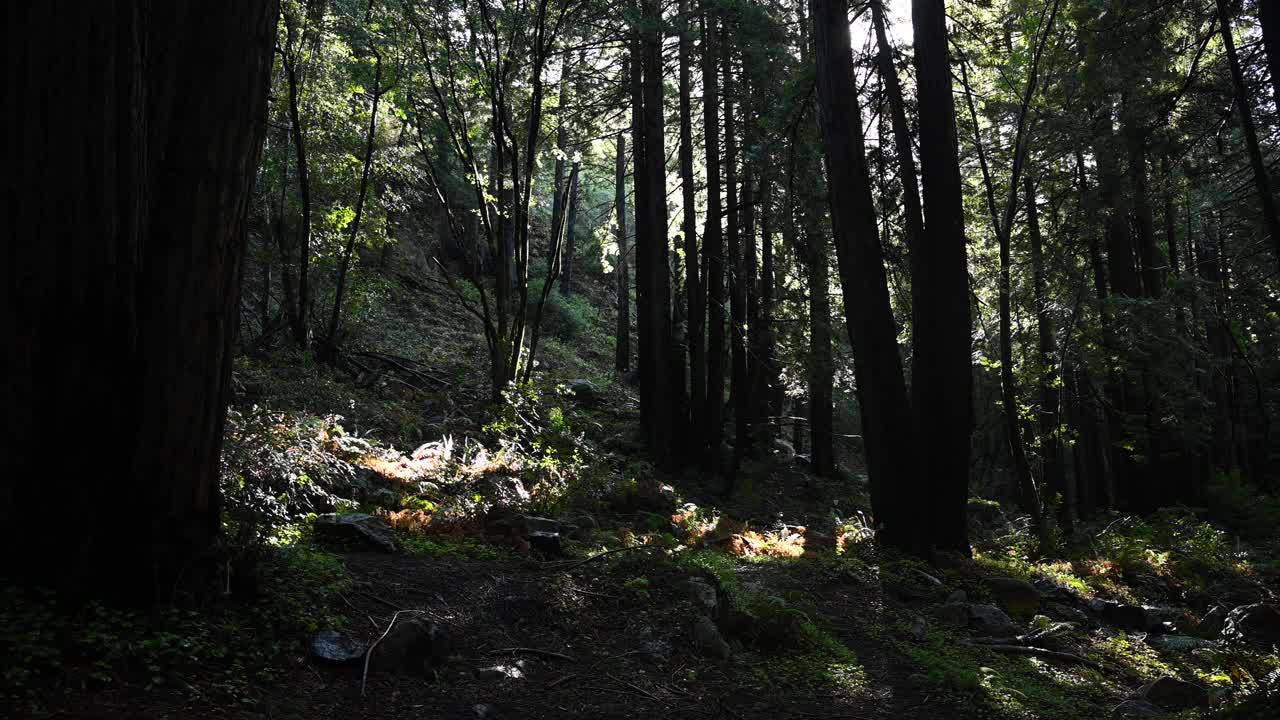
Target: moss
x=445 y=547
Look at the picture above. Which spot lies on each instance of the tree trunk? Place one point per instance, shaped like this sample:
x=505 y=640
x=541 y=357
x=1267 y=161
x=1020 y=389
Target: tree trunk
x=882 y=393
x=694 y=310
x=737 y=295
x=713 y=243
x=300 y=321
x=1271 y=221
x=942 y=375
x=622 y=339
x=1055 y=476
x=912 y=220
x=167 y=110
x=331 y=339
x=819 y=367
x=1269 y=18
x=570 y=239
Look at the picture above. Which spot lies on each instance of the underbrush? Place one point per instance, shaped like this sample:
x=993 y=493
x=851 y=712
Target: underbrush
x=217 y=654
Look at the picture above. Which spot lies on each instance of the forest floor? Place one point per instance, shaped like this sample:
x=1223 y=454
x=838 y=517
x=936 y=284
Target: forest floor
x=543 y=568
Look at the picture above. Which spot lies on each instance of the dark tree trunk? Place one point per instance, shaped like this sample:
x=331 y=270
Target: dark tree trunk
x=737 y=296
x=942 y=375
x=912 y=220
x=713 y=243
x=622 y=339
x=299 y=321
x=570 y=238
x=1153 y=265
x=167 y=110
x=562 y=142
x=882 y=393
x=1270 y=219
x=768 y=393
x=1269 y=18
x=694 y=310
x=1055 y=476
x=819 y=367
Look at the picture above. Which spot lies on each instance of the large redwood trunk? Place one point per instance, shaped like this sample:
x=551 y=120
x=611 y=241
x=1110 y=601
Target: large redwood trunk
x=131 y=166
x=942 y=375
x=882 y=393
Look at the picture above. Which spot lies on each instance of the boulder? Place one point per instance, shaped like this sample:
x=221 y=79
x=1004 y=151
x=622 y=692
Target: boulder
x=958 y=596
x=1131 y=617
x=1172 y=693
x=546 y=544
x=413 y=645
x=708 y=640
x=1212 y=623
x=336 y=647
x=953 y=613
x=359 y=527
x=581 y=390
x=1257 y=624
x=986 y=515
x=991 y=620
x=1019 y=598
x=503 y=491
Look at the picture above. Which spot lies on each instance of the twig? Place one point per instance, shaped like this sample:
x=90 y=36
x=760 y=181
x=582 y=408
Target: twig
x=372 y=622
x=1044 y=653
x=532 y=651
x=560 y=681
x=565 y=568
x=594 y=594
x=364 y=678
x=637 y=688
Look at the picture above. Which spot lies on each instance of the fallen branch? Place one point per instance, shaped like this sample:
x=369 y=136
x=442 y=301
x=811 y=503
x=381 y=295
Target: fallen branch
x=533 y=651
x=1043 y=653
x=561 y=567
x=364 y=678
x=638 y=689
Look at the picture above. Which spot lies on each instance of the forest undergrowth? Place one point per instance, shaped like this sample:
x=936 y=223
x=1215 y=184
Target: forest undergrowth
x=572 y=578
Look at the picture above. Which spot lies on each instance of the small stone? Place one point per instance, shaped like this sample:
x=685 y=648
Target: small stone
x=1170 y=692
x=335 y=647
x=708 y=640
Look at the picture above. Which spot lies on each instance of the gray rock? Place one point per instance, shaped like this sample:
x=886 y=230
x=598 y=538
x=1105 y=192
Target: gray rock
x=927 y=578
x=335 y=647
x=1257 y=624
x=386 y=497
x=708 y=640
x=582 y=390
x=703 y=596
x=413 y=645
x=1212 y=623
x=919 y=628
x=503 y=490
x=958 y=596
x=991 y=620
x=360 y=527
x=1137 y=707
x=953 y=613
x=784 y=450
x=1170 y=692
x=1062 y=611
x=1019 y=598
x=1131 y=617
x=546 y=544
x=986 y=515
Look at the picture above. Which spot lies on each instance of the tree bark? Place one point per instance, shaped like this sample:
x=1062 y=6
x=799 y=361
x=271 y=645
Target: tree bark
x=1270 y=219
x=622 y=340
x=942 y=375
x=912 y=219
x=300 y=321
x=882 y=393
x=713 y=242
x=737 y=296
x=694 y=310
x=1269 y=18
x=167 y=110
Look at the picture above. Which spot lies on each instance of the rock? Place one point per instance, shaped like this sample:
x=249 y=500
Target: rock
x=1212 y=623
x=335 y=647
x=1019 y=598
x=385 y=497
x=503 y=491
x=581 y=390
x=1130 y=617
x=986 y=515
x=1052 y=591
x=482 y=711
x=1136 y=707
x=703 y=596
x=953 y=613
x=412 y=645
x=546 y=544
x=1257 y=624
x=1170 y=692
x=991 y=620
x=927 y=578
x=518 y=524
x=919 y=628
x=1062 y=611
x=502 y=672
x=708 y=640
x=361 y=527
x=958 y=596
